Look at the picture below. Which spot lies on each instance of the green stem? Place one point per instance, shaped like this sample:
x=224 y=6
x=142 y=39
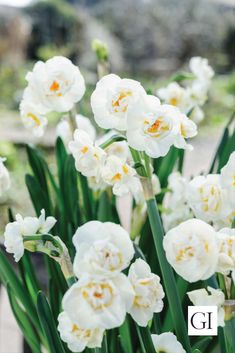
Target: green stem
x=168 y=275
x=115 y=138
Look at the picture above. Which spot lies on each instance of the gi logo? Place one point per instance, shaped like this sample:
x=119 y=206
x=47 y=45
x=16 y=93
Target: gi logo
x=202 y=320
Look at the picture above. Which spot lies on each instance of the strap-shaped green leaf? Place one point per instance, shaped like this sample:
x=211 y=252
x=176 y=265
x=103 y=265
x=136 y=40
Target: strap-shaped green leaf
x=24 y=323
x=48 y=325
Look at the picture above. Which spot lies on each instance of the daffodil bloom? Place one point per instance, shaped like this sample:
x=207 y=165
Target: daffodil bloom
x=103 y=249
x=4 y=177
x=32 y=119
x=207 y=198
x=209 y=297
x=173 y=94
x=201 y=69
x=103 y=303
x=56 y=84
x=120 y=175
x=226 y=239
x=15 y=231
x=192 y=250
x=76 y=337
x=154 y=128
x=167 y=343
x=228 y=179
x=64 y=130
x=89 y=159
x=148 y=292
x=175 y=205
x=111 y=100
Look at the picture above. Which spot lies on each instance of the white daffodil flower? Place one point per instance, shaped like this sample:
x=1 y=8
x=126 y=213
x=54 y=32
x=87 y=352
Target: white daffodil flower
x=89 y=159
x=188 y=129
x=148 y=292
x=5 y=181
x=154 y=128
x=15 y=231
x=201 y=69
x=97 y=184
x=226 y=239
x=103 y=249
x=228 y=179
x=32 y=119
x=197 y=115
x=207 y=198
x=175 y=205
x=173 y=94
x=76 y=337
x=103 y=303
x=120 y=175
x=56 y=84
x=209 y=297
x=64 y=130
x=111 y=100
x=192 y=250
x=167 y=343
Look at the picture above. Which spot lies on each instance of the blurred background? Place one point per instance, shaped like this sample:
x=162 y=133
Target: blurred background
x=148 y=41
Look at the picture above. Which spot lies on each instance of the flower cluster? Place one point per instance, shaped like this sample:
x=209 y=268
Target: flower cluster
x=196 y=251
x=210 y=198
x=4 y=177
x=102 y=296
x=55 y=85
x=151 y=127
x=190 y=99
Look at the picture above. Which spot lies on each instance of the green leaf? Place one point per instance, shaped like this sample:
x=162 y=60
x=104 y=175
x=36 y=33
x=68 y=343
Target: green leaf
x=145 y=339
x=8 y=276
x=24 y=323
x=182 y=76
x=37 y=194
x=48 y=325
x=104 y=213
x=163 y=167
x=125 y=337
x=29 y=276
x=168 y=276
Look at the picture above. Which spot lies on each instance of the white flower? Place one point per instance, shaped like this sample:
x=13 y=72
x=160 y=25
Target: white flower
x=192 y=250
x=226 y=239
x=97 y=184
x=64 y=130
x=201 y=69
x=197 y=93
x=173 y=94
x=197 y=115
x=175 y=206
x=167 y=342
x=89 y=159
x=120 y=175
x=32 y=118
x=154 y=128
x=4 y=177
x=15 y=231
x=111 y=100
x=148 y=292
x=209 y=297
x=188 y=129
x=228 y=179
x=207 y=198
x=56 y=84
x=76 y=337
x=103 y=303
x=103 y=249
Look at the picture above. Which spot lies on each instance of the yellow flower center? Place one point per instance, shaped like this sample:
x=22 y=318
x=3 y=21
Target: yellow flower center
x=34 y=118
x=98 y=295
x=84 y=149
x=173 y=101
x=121 y=104
x=55 y=86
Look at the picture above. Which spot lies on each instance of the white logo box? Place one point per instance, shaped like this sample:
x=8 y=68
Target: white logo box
x=202 y=320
